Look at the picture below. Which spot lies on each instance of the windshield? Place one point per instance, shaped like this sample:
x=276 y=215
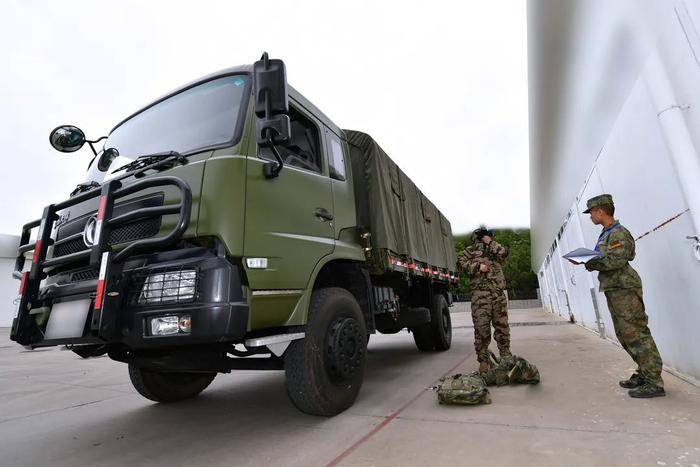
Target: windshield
x=196 y=119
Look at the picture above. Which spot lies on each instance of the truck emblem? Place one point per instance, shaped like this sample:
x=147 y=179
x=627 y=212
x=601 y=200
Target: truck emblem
x=63 y=218
x=89 y=231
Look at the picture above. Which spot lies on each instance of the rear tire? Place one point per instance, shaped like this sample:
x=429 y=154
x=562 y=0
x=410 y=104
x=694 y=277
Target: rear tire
x=440 y=317
x=324 y=371
x=168 y=387
x=437 y=334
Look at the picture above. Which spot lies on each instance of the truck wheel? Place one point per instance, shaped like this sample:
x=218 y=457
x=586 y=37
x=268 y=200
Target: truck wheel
x=437 y=334
x=442 y=323
x=324 y=370
x=423 y=336
x=168 y=387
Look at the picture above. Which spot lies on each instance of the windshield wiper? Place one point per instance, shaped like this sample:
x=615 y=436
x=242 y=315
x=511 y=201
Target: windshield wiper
x=84 y=187
x=151 y=161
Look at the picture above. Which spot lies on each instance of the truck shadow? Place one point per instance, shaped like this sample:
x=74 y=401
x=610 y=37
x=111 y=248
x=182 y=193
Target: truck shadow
x=238 y=413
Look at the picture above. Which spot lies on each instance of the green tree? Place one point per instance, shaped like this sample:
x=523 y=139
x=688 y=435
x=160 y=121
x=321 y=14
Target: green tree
x=522 y=282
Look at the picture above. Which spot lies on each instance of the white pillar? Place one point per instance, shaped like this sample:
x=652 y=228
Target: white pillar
x=676 y=135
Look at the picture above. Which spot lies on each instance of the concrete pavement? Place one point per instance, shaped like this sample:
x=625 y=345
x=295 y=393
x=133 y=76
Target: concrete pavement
x=57 y=409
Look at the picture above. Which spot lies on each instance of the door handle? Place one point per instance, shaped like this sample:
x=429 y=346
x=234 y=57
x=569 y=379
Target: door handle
x=323 y=214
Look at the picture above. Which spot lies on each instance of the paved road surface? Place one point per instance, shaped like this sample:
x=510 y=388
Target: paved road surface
x=57 y=409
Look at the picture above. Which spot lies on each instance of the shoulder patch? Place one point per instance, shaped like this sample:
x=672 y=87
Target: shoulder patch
x=615 y=244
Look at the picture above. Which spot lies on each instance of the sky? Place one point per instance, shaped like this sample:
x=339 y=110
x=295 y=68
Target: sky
x=442 y=86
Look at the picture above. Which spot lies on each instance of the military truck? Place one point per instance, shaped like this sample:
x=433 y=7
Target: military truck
x=231 y=225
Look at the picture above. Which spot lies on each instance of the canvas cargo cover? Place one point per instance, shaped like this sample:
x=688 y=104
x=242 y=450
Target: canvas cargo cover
x=399 y=217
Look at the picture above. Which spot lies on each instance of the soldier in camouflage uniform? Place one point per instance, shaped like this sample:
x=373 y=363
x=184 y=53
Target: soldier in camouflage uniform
x=482 y=262
x=623 y=291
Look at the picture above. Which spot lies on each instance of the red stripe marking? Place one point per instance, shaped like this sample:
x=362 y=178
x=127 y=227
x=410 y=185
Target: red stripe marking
x=37 y=246
x=98 y=297
x=101 y=280
x=388 y=419
x=23 y=283
x=101 y=209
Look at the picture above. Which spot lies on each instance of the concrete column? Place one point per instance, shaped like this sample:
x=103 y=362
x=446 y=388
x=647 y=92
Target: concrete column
x=677 y=136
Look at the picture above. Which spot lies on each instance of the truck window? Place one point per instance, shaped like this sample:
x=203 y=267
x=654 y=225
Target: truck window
x=302 y=151
x=336 y=159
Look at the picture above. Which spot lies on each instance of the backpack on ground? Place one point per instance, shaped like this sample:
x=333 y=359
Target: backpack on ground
x=511 y=370
x=462 y=389
x=524 y=372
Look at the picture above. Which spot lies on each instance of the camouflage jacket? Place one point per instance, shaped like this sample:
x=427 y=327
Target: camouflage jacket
x=616 y=245
x=493 y=255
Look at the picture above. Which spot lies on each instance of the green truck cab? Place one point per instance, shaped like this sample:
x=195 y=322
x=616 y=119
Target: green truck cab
x=232 y=225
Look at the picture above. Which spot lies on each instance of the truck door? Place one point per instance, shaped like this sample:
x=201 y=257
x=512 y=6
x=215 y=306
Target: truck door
x=289 y=219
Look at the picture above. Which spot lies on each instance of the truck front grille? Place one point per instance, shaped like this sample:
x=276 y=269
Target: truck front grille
x=84 y=275
x=67 y=248
x=122 y=234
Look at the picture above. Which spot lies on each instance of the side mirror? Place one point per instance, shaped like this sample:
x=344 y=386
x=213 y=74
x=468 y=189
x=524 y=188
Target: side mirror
x=271 y=102
x=67 y=138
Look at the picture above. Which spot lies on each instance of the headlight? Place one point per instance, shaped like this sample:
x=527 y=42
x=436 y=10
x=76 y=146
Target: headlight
x=171 y=324
x=177 y=286
x=164 y=325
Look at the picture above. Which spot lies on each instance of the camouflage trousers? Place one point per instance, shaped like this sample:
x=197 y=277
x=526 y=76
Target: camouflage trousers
x=489 y=307
x=630 y=320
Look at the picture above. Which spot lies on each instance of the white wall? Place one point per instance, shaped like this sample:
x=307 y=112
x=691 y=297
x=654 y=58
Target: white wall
x=622 y=117
x=8 y=285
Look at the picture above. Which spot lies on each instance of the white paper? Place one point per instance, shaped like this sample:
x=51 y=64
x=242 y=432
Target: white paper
x=581 y=255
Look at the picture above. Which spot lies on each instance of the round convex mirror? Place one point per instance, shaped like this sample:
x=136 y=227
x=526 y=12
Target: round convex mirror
x=67 y=138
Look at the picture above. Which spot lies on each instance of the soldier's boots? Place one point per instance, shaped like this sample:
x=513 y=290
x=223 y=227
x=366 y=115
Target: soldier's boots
x=634 y=381
x=483 y=367
x=647 y=390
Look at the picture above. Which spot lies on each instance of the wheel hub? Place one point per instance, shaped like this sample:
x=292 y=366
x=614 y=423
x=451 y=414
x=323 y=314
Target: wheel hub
x=344 y=349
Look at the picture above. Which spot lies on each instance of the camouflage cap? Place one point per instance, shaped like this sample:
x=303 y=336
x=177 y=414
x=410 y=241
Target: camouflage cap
x=596 y=201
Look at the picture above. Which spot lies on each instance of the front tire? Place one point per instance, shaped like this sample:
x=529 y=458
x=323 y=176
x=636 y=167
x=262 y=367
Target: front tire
x=324 y=371
x=423 y=336
x=168 y=387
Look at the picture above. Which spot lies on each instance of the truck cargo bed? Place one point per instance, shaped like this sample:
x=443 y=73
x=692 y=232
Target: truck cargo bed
x=399 y=217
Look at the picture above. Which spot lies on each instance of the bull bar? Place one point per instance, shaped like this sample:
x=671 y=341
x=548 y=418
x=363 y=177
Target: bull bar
x=24 y=331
